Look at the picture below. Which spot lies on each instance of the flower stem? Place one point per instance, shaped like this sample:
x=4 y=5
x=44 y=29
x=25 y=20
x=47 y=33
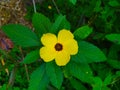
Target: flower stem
x=34 y=6
x=56 y=7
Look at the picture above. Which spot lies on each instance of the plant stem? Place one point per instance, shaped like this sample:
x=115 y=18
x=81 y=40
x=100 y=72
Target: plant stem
x=26 y=69
x=27 y=74
x=34 y=6
x=56 y=7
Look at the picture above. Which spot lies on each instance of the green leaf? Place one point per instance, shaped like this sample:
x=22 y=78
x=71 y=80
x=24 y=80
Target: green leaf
x=60 y=23
x=116 y=75
x=77 y=85
x=114 y=63
x=115 y=38
x=39 y=79
x=73 y=1
x=81 y=71
x=41 y=23
x=105 y=88
x=83 y=32
x=55 y=74
x=98 y=6
x=88 y=53
x=3 y=87
x=21 y=35
x=31 y=57
x=107 y=80
x=114 y=52
x=114 y=3
x=97 y=83
x=98 y=36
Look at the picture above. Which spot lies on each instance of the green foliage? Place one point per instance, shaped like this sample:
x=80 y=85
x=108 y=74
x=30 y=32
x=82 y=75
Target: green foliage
x=114 y=38
x=21 y=35
x=82 y=32
x=98 y=6
x=80 y=71
x=73 y=1
x=114 y=3
x=60 y=23
x=96 y=65
x=77 y=85
x=114 y=52
x=41 y=23
x=31 y=57
x=39 y=79
x=88 y=53
x=98 y=83
x=55 y=74
x=102 y=85
x=107 y=80
x=3 y=87
x=114 y=63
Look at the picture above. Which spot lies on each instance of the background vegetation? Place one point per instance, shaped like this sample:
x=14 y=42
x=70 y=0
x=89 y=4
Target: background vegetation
x=99 y=17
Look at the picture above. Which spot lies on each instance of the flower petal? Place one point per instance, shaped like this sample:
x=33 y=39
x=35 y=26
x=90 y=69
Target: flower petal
x=64 y=35
x=49 y=39
x=71 y=46
x=62 y=58
x=47 y=53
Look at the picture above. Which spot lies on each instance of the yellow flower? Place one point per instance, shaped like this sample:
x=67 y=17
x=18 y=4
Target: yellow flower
x=49 y=7
x=59 y=48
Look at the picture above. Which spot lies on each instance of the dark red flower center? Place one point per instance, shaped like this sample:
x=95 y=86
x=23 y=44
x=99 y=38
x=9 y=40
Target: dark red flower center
x=58 y=47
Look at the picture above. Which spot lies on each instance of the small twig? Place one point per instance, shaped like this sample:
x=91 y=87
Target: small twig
x=81 y=20
x=12 y=78
x=92 y=19
x=26 y=69
x=34 y=6
x=56 y=7
x=27 y=74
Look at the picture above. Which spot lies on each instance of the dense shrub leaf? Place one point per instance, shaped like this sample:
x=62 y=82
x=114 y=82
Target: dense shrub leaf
x=73 y=1
x=31 y=57
x=80 y=71
x=114 y=3
x=114 y=63
x=77 y=85
x=21 y=35
x=41 y=23
x=98 y=6
x=107 y=80
x=88 y=53
x=55 y=74
x=114 y=38
x=82 y=32
x=114 y=52
x=60 y=23
x=39 y=79
x=97 y=83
